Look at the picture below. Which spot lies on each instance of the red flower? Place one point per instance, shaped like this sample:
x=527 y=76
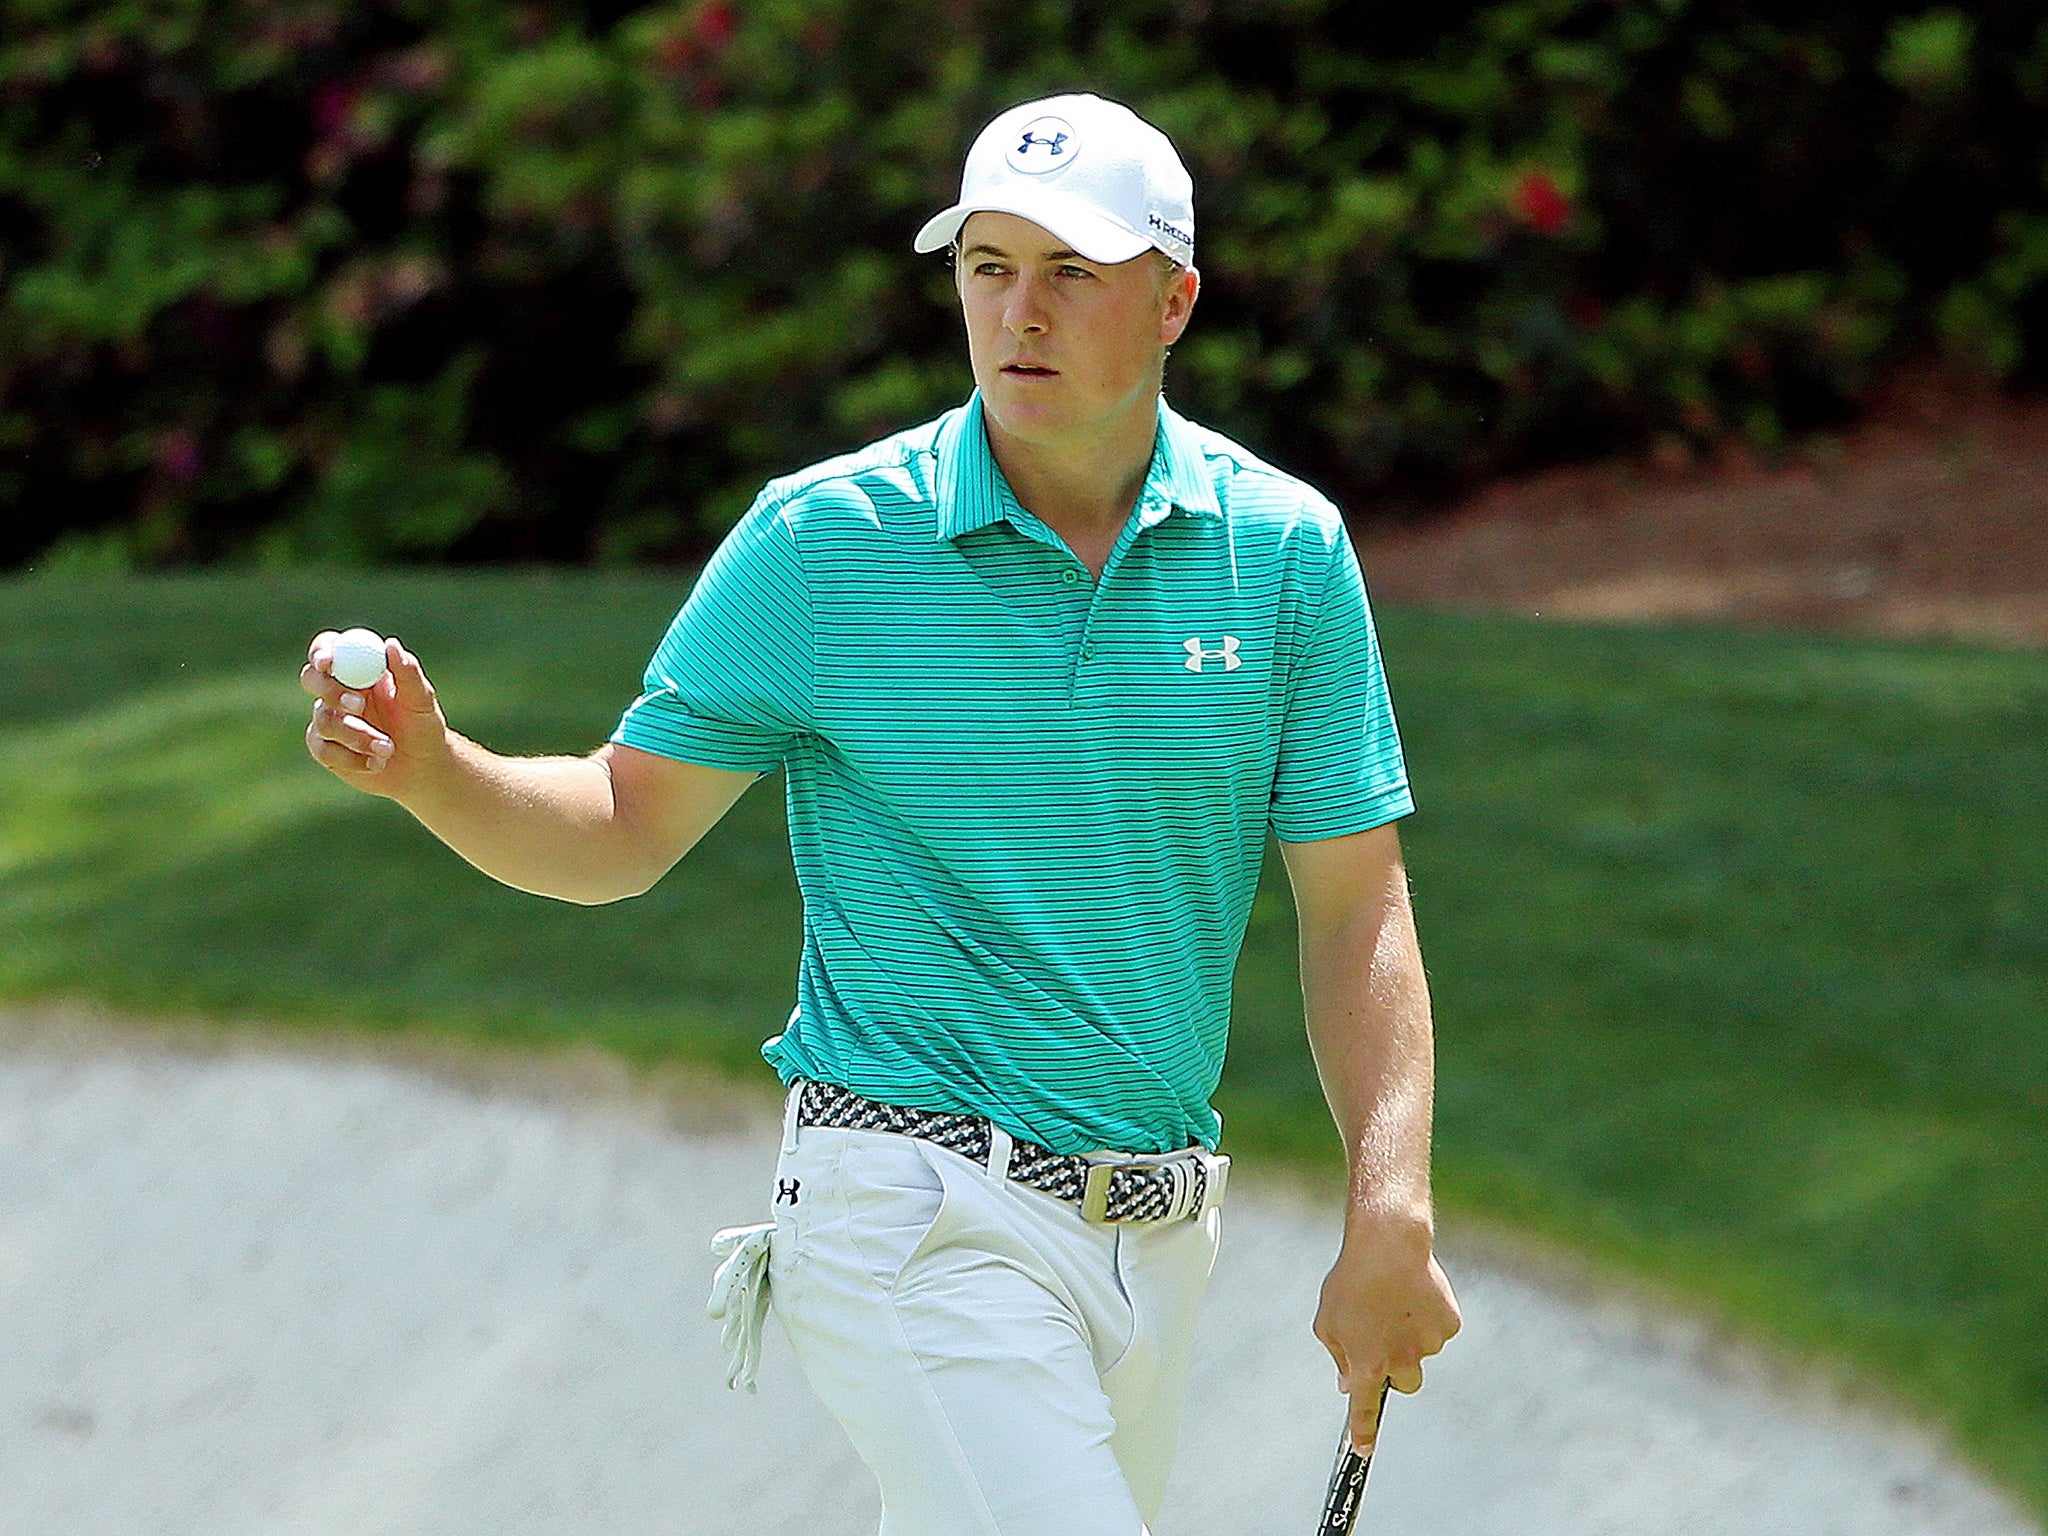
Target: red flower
x=710 y=31
x=716 y=23
x=1540 y=203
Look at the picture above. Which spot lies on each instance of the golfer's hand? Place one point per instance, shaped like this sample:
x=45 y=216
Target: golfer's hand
x=382 y=739
x=1386 y=1307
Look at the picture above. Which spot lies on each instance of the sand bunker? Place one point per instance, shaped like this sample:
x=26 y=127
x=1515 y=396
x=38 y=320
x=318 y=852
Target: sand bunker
x=281 y=1294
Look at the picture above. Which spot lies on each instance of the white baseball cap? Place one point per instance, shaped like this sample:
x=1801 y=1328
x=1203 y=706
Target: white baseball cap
x=1093 y=172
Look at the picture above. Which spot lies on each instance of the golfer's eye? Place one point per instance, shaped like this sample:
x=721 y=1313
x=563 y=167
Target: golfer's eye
x=1070 y=270
x=988 y=269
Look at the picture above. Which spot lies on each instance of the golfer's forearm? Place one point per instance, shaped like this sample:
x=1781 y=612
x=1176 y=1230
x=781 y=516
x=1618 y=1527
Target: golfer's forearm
x=542 y=824
x=1367 y=1005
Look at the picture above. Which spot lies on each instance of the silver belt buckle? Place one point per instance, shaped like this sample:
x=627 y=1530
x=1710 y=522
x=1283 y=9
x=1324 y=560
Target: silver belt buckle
x=1215 y=1168
x=1095 y=1193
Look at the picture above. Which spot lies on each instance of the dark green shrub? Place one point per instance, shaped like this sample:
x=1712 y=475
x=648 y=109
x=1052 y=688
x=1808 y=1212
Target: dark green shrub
x=296 y=278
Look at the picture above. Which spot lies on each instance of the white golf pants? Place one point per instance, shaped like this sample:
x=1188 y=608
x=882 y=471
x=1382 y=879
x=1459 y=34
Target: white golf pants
x=1004 y=1367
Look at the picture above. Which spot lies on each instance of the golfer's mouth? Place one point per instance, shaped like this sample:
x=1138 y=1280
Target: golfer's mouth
x=1030 y=371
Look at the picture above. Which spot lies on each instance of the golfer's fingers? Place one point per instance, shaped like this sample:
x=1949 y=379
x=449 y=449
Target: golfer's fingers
x=410 y=689
x=317 y=675
x=343 y=703
x=350 y=732
x=1335 y=1346
x=1365 y=1418
x=1405 y=1378
x=316 y=680
x=332 y=755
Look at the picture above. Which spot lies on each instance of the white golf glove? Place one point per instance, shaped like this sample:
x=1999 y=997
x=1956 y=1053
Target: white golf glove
x=739 y=1295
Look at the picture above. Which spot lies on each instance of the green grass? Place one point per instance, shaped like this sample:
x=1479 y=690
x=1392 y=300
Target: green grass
x=1739 y=943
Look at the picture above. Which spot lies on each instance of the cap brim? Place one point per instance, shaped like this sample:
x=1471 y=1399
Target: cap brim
x=1090 y=233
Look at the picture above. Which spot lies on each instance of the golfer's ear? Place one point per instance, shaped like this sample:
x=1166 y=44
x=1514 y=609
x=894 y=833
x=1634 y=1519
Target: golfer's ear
x=1181 y=293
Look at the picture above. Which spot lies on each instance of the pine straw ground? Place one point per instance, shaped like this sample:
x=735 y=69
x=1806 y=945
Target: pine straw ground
x=1928 y=519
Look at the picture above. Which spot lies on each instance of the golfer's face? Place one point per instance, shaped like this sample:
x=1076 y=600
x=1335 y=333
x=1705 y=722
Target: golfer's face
x=1062 y=347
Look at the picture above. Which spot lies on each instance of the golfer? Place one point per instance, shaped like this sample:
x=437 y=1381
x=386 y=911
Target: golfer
x=1043 y=675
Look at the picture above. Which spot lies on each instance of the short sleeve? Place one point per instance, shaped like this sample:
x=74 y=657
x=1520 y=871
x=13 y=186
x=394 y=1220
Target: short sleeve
x=1340 y=769
x=731 y=683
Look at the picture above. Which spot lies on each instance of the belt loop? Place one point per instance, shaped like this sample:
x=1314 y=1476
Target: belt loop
x=999 y=1145
x=790 y=1107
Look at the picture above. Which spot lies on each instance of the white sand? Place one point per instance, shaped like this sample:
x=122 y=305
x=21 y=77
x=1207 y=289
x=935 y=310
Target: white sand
x=284 y=1294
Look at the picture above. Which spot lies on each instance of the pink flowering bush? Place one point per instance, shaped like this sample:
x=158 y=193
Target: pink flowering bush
x=359 y=280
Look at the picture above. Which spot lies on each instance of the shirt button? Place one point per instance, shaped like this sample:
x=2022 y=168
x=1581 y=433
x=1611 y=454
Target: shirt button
x=1087 y=653
x=1069 y=576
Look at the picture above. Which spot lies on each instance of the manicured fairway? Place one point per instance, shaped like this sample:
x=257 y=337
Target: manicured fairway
x=1739 y=943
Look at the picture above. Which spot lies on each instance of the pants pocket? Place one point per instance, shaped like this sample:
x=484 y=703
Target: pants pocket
x=895 y=1202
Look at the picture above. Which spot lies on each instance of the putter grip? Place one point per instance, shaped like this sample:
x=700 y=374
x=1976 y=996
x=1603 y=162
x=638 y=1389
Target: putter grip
x=1347 y=1481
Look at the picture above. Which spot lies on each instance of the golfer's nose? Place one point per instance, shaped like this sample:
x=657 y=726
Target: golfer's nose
x=1024 y=315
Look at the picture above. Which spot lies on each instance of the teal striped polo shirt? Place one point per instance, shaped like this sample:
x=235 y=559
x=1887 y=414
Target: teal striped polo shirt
x=1028 y=808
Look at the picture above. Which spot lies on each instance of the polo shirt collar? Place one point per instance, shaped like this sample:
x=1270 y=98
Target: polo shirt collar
x=1179 y=477
x=971 y=493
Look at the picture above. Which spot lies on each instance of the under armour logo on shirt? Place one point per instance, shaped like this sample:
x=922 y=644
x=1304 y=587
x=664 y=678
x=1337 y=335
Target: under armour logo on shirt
x=1199 y=655
x=785 y=1191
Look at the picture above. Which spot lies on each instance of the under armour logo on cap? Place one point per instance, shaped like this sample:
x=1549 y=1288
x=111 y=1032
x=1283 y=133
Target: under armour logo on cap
x=1198 y=655
x=1046 y=144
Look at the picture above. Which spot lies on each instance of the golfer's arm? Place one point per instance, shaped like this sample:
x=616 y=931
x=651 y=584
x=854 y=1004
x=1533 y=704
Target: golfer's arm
x=1366 y=1000
x=583 y=829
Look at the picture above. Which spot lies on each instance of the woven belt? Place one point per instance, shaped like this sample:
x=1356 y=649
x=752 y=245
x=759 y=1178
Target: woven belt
x=1115 y=1189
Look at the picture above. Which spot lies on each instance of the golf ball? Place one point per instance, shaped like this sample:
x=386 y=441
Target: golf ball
x=358 y=658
